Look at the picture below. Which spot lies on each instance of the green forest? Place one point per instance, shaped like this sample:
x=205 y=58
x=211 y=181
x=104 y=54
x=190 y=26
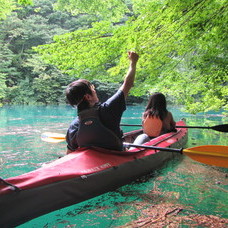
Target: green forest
x=46 y=44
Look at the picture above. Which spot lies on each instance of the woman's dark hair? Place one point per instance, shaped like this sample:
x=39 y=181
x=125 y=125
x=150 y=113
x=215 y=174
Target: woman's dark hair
x=156 y=106
x=76 y=91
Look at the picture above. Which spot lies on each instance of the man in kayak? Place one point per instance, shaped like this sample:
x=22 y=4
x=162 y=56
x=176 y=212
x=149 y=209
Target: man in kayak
x=98 y=124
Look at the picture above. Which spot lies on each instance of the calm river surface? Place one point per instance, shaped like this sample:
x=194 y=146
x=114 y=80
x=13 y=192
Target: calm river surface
x=183 y=187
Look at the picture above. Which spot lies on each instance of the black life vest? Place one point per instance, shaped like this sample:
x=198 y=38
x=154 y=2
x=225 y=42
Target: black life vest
x=92 y=132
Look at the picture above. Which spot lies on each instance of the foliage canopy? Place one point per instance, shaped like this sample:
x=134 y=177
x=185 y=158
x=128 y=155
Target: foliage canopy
x=24 y=77
x=182 y=46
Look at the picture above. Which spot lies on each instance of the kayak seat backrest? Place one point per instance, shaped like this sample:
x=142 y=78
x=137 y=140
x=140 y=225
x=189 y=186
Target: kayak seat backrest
x=93 y=133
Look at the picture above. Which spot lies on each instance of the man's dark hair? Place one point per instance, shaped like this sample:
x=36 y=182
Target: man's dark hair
x=76 y=91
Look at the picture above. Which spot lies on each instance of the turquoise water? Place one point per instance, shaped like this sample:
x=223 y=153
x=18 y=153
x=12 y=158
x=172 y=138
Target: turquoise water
x=194 y=187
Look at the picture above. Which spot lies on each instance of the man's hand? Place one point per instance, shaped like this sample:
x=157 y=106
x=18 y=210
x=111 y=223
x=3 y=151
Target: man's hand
x=133 y=56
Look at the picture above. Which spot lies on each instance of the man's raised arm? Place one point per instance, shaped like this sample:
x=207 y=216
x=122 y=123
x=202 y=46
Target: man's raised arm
x=130 y=76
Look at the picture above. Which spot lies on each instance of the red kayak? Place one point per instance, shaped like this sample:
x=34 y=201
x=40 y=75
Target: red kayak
x=81 y=175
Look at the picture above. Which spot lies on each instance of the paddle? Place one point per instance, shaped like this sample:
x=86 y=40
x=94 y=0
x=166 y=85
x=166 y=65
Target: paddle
x=222 y=127
x=208 y=154
x=53 y=137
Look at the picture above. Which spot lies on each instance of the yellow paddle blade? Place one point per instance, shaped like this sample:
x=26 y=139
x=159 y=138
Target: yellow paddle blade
x=53 y=137
x=209 y=154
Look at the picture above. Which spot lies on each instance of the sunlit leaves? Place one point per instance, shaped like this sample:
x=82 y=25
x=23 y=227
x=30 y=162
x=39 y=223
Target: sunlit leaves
x=76 y=55
x=25 y=2
x=182 y=47
x=111 y=9
x=7 y=6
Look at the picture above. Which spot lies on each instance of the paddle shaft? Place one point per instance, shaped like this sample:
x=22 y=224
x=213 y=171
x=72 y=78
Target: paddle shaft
x=194 y=127
x=155 y=148
x=221 y=128
x=140 y=125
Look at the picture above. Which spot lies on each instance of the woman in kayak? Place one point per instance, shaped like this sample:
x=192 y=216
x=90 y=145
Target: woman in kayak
x=98 y=124
x=156 y=119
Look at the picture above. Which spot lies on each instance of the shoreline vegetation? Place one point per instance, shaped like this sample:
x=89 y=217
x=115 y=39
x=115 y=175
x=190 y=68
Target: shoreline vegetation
x=45 y=45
